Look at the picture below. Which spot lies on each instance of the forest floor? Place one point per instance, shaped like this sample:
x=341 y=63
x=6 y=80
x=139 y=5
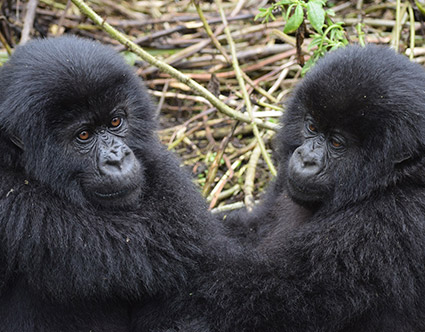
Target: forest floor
x=222 y=153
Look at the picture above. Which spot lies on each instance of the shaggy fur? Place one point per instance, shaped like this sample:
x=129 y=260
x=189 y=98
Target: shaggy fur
x=67 y=264
x=355 y=262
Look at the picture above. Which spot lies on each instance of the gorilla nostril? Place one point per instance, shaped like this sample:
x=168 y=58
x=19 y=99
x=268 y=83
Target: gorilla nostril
x=115 y=159
x=113 y=162
x=117 y=162
x=309 y=162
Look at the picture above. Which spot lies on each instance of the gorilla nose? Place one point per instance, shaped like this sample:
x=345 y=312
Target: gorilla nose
x=117 y=161
x=309 y=163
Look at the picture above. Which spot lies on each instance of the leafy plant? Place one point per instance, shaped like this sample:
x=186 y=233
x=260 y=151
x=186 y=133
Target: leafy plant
x=332 y=38
x=327 y=34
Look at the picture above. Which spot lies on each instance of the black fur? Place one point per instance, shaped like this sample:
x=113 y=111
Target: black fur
x=356 y=260
x=66 y=263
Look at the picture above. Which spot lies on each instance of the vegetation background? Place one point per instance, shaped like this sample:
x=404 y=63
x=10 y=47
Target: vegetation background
x=248 y=54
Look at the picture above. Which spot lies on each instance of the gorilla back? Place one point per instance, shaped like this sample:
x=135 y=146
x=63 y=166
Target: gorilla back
x=94 y=212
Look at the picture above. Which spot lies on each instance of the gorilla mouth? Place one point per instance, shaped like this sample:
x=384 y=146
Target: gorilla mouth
x=116 y=195
x=113 y=195
x=299 y=188
x=303 y=193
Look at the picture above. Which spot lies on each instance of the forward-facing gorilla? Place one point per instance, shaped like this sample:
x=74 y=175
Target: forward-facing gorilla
x=344 y=222
x=94 y=212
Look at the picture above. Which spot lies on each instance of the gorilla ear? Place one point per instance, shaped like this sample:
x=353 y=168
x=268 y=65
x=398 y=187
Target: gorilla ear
x=17 y=141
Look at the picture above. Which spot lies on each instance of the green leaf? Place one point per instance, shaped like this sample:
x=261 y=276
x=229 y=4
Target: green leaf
x=130 y=57
x=272 y=17
x=421 y=6
x=284 y=2
x=259 y=15
x=288 y=12
x=316 y=15
x=320 y=2
x=262 y=13
x=295 y=20
x=333 y=34
x=307 y=66
x=330 y=12
x=265 y=14
x=315 y=42
x=339 y=35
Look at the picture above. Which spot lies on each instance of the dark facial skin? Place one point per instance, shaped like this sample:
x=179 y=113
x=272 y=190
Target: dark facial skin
x=309 y=169
x=115 y=175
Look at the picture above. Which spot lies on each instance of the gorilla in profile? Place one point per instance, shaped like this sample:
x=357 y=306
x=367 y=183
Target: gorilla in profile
x=94 y=212
x=341 y=231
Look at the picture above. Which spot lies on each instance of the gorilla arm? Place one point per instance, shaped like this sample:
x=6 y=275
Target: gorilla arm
x=251 y=228
x=325 y=275
x=330 y=273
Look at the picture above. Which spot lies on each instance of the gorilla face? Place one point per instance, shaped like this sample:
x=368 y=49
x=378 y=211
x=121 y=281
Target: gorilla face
x=96 y=150
x=114 y=175
x=349 y=134
x=312 y=162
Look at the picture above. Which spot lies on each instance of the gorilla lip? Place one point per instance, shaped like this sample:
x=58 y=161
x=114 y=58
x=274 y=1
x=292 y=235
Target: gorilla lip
x=298 y=188
x=113 y=195
x=294 y=191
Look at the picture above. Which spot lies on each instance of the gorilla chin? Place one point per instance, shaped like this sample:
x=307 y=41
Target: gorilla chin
x=306 y=196
x=118 y=197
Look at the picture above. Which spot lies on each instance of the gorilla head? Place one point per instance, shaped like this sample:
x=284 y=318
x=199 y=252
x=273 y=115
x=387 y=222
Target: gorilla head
x=80 y=112
x=354 y=126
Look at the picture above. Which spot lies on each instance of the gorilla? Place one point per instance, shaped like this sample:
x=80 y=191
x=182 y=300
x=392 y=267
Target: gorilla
x=95 y=214
x=340 y=236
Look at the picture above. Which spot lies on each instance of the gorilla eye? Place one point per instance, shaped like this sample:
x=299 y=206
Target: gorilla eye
x=312 y=128
x=116 y=122
x=336 y=144
x=84 y=135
